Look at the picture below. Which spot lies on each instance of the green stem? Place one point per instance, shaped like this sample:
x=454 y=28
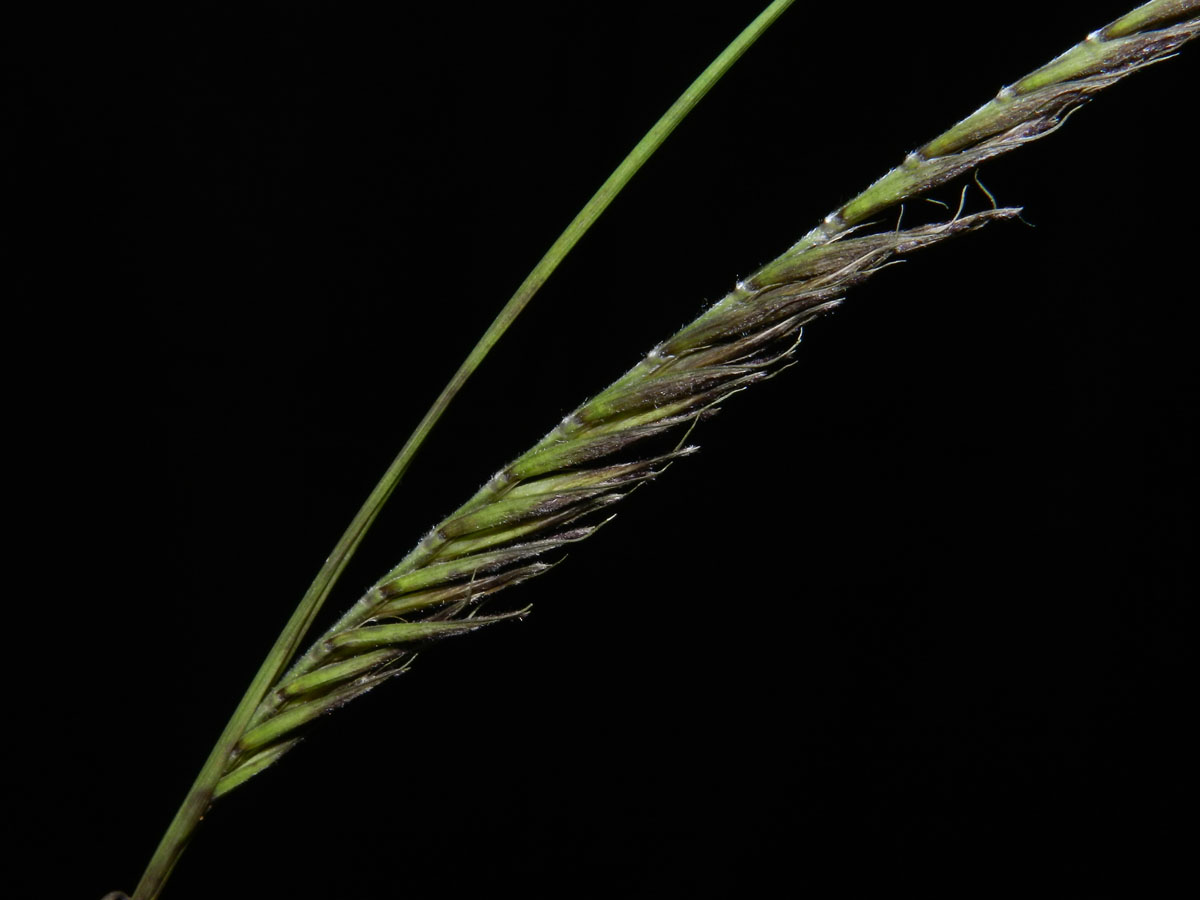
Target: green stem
x=200 y=795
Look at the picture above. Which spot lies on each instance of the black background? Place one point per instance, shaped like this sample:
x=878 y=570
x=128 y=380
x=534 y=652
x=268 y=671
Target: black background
x=914 y=615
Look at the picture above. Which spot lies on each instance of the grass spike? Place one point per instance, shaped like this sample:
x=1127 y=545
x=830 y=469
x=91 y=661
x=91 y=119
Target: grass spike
x=742 y=338
x=738 y=341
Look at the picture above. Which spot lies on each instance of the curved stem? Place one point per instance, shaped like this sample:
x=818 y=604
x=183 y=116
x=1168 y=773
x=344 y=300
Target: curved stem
x=200 y=795
x=566 y=241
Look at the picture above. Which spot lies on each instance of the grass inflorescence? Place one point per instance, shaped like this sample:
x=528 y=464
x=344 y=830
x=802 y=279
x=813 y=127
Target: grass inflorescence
x=560 y=491
x=551 y=496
